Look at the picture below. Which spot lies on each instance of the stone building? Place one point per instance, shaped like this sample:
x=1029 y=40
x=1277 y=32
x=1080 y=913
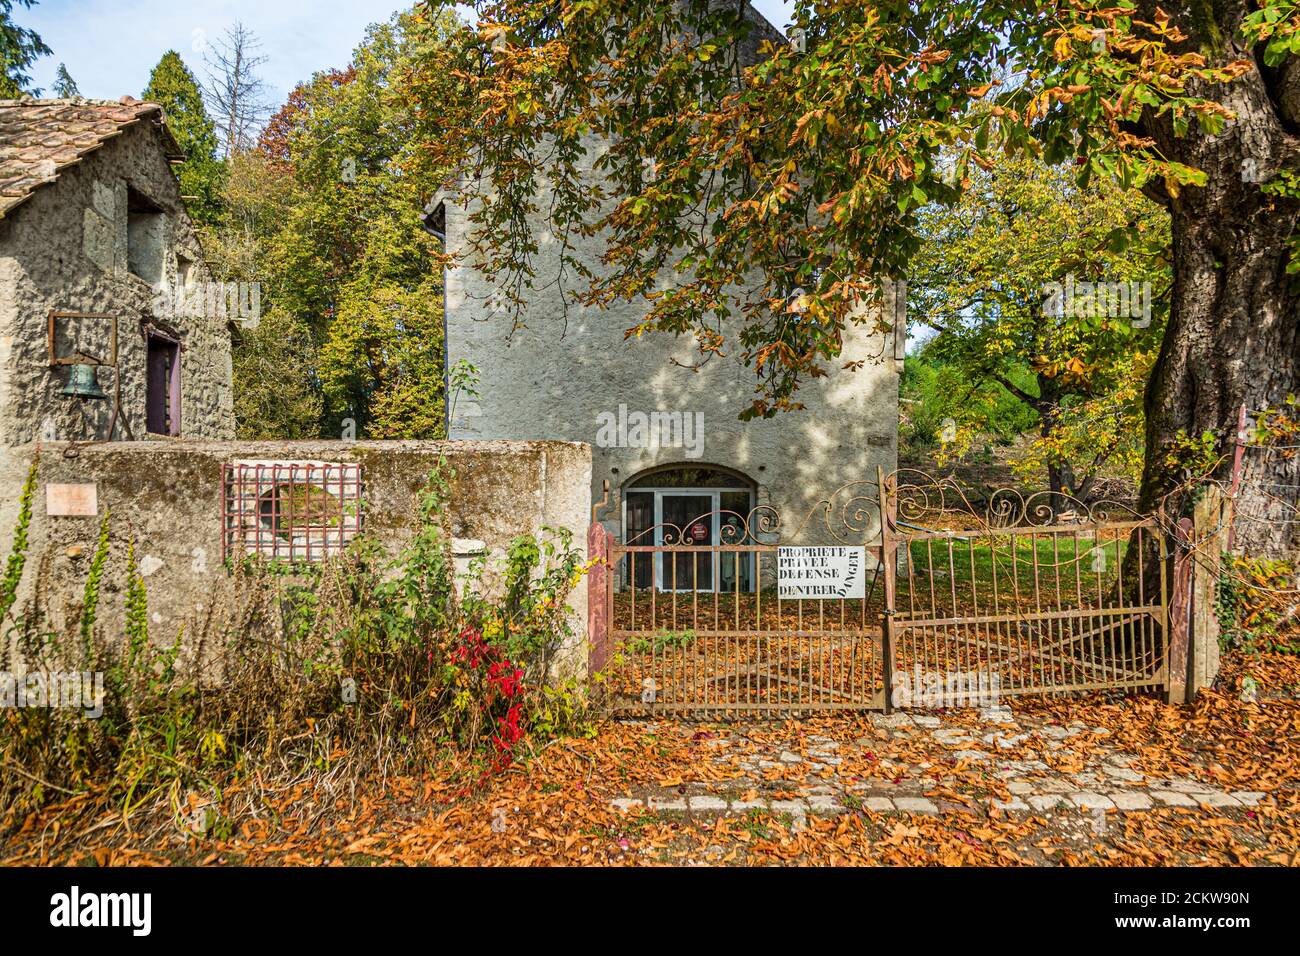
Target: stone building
x=666 y=436
x=109 y=327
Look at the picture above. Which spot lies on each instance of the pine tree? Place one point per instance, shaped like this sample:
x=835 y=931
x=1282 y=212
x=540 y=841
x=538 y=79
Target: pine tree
x=65 y=87
x=19 y=49
x=172 y=85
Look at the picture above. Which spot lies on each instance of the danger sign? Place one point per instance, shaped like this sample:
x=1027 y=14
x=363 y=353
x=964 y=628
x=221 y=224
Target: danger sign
x=820 y=573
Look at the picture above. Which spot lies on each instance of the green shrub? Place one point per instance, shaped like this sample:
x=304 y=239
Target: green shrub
x=1255 y=605
x=17 y=560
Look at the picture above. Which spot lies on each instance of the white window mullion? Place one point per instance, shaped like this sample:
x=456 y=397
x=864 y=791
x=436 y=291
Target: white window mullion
x=658 y=582
x=715 y=502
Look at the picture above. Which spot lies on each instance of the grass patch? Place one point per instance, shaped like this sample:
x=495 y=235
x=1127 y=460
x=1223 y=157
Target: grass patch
x=1062 y=569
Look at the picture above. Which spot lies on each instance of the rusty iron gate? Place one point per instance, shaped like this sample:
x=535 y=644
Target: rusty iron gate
x=1036 y=594
x=962 y=604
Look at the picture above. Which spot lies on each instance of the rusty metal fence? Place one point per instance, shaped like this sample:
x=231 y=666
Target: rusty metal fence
x=736 y=645
x=289 y=510
x=962 y=604
x=1037 y=594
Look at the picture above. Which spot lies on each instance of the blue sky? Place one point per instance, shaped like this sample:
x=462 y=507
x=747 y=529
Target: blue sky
x=110 y=46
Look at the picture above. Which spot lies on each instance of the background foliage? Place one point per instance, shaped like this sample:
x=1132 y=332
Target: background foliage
x=325 y=213
x=1001 y=360
x=19 y=49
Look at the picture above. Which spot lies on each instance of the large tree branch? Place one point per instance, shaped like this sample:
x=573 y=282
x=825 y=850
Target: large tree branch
x=1033 y=401
x=1286 y=94
x=1098 y=460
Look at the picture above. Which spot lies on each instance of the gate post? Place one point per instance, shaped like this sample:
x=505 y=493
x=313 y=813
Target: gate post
x=1211 y=526
x=887 y=559
x=597 y=598
x=1178 y=614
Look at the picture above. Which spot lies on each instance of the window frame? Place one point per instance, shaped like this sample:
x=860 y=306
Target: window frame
x=714 y=493
x=172 y=401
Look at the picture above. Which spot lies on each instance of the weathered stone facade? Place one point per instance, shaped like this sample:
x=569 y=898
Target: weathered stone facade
x=98 y=226
x=570 y=368
x=556 y=377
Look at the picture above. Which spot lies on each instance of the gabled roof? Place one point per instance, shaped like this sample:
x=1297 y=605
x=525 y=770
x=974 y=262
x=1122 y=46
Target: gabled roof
x=40 y=138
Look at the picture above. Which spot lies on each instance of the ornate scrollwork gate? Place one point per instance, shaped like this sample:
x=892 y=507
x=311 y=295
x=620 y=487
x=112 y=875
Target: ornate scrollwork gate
x=1022 y=594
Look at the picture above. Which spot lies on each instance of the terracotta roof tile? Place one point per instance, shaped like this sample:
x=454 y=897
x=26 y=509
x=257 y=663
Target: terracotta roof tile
x=39 y=138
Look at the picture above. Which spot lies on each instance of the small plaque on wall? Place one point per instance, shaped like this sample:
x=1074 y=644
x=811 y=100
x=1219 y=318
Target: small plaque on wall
x=72 y=501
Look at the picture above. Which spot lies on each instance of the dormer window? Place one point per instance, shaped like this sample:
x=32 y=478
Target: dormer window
x=435 y=221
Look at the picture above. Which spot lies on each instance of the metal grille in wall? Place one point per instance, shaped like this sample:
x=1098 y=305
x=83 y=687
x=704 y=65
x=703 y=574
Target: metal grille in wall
x=290 y=510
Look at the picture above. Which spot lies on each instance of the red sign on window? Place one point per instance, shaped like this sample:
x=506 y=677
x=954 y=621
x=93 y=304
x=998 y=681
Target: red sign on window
x=699 y=531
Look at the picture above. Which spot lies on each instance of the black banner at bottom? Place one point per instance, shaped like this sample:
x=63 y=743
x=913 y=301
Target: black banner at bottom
x=645 y=907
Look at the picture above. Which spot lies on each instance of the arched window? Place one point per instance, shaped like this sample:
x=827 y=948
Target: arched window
x=695 y=505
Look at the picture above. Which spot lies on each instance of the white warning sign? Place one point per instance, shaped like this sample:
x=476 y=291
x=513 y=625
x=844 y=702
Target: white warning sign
x=821 y=573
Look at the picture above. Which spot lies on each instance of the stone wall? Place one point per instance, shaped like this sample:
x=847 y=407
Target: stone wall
x=170 y=497
x=68 y=248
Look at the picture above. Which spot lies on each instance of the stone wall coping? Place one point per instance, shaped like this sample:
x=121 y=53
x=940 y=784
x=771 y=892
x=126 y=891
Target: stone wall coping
x=296 y=450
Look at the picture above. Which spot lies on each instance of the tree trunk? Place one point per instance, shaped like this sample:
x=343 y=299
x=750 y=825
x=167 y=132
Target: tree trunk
x=1060 y=473
x=1060 y=479
x=1232 y=332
